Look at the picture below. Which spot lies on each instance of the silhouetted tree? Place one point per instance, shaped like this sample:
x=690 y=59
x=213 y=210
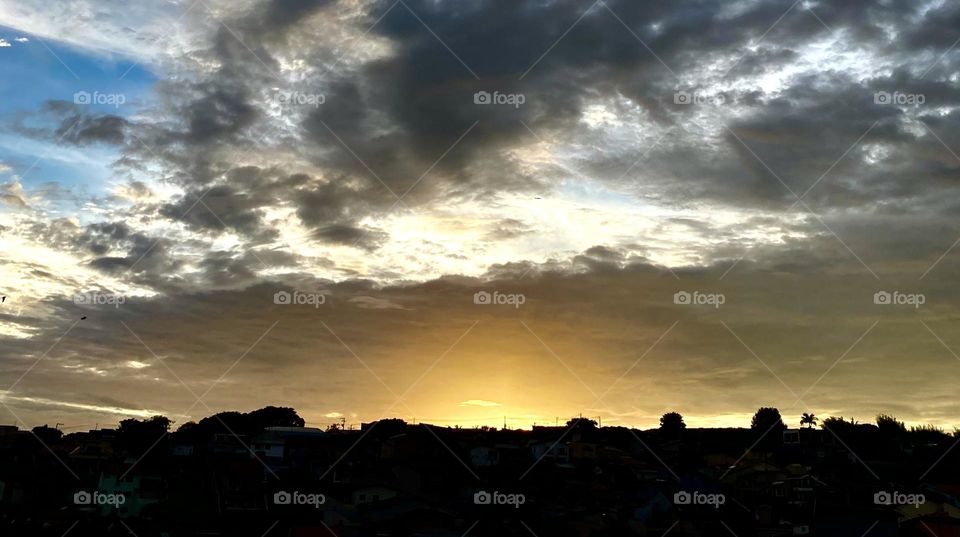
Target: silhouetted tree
x=582 y=423
x=139 y=435
x=767 y=418
x=250 y=423
x=672 y=422
x=890 y=426
x=808 y=419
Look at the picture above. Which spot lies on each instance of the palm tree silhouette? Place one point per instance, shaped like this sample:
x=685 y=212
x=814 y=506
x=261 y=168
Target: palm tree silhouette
x=808 y=419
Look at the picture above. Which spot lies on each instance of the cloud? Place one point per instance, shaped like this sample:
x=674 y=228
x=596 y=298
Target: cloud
x=598 y=198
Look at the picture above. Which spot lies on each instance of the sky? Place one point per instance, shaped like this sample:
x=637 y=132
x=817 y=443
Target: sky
x=472 y=213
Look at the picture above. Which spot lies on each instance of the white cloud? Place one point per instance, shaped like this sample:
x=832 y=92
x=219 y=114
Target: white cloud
x=4 y=43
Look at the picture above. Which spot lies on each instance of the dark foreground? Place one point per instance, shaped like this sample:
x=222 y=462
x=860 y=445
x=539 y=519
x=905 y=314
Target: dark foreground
x=263 y=474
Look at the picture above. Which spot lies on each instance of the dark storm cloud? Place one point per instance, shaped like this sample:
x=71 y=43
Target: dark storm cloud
x=367 y=239
x=392 y=123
